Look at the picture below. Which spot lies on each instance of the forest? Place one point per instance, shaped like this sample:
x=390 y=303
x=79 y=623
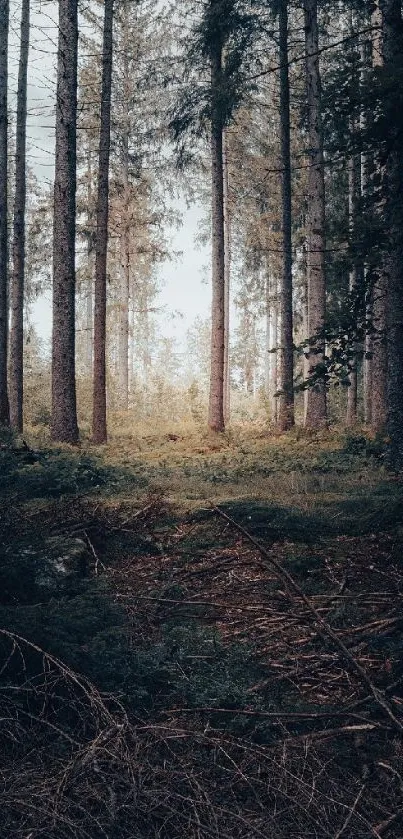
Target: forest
x=201 y=514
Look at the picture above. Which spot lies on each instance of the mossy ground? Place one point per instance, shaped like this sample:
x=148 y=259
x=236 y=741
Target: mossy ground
x=179 y=618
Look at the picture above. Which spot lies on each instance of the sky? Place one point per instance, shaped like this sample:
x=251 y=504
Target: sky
x=185 y=288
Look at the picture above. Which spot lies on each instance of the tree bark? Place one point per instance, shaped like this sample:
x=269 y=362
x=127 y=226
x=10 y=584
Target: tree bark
x=125 y=272
x=216 y=401
x=4 y=23
x=315 y=416
x=393 y=60
x=16 y=388
x=227 y=280
x=380 y=281
x=64 y=426
x=271 y=367
x=286 y=359
x=367 y=359
x=353 y=193
x=89 y=320
x=99 y=427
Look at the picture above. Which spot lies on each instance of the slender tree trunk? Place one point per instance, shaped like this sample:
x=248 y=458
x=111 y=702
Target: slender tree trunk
x=124 y=326
x=227 y=280
x=89 y=321
x=286 y=399
x=379 y=292
x=272 y=339
x=4 y=22
x=393 y=59
x=216 y=402
x=353 y=192
x=124 y=302
x=64 y=411
x=316 y=396
x=17 y=281
x=367 y=359
x=267 y=358
x=99 y=429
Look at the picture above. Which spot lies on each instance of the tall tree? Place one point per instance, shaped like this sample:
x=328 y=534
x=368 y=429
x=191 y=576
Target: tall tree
x=4 y=22
x=286 y=400
x=18 y=275
x=216 y=47
x=392 y=50
x=379 y=290
x=64 y=426
x=216 y=401
x=315 y=416
x=353 y=193
x=227 y=279
x=99 y=428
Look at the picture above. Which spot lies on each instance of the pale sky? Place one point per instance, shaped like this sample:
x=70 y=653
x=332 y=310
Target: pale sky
x=184 y=280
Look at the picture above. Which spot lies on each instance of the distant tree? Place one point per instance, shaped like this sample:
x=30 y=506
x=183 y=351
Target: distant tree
x=4 y=22
x=99 y=428
x=380 y=279
x=286 y=399
x=216 y=41
x=64 y=426
x=18 y=273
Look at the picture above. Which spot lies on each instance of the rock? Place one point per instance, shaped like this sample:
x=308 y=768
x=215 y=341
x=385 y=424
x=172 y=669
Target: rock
x=64 y=560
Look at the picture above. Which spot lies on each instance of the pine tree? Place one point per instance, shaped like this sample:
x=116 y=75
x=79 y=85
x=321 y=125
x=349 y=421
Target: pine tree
x=315 y=416
x=99 y=428
x=18 y=275
x=4 y=22
x=392 y=50
x=286 y=400
x=64 y=413
x=216 y=401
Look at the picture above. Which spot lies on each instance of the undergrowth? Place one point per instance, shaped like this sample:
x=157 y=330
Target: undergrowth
x=160 y=678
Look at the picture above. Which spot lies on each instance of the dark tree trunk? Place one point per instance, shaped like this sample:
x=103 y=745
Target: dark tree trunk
x=18 y=276
x=125 y=275
x=4 y=21
x=316 y=396
x=393 y=61
x=364 y=179
x=227 y=281
x=286 y=399
x=353 y=192
x=380 y=280
x=64 y=412
x=99 y=429
x=216 y=402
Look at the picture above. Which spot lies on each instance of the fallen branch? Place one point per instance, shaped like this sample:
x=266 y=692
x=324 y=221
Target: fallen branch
x=351 y=813
x=326 y=629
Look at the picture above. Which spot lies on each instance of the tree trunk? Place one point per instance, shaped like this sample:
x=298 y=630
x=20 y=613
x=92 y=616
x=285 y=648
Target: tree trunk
x=64 y=412
x=17 y=282
x=286 y=399
x=124 y=304
x=99 y=429
x=271 y=346
x=4 y=22
x=125 y=275
x=379 y=291
x=367 y=359
x=89 y=320
x=316 y=396
x=393 y=59
x=227 y=280
x=216 y=401
x=353 y=193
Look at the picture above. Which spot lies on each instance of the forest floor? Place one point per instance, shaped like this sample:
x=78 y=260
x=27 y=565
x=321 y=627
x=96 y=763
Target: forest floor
x=232 y=654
